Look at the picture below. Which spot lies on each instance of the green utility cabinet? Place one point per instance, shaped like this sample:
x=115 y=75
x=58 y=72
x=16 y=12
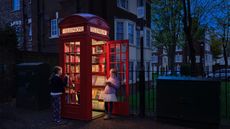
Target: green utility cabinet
x=194 y=101
x=33 y=85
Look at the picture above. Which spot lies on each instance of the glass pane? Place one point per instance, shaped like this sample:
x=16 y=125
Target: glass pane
x=123 y=47
x=123 y=57
x=72 y=70
x=112 y=48
x=113 y=58
x=118 y=48
x=98 y=74
x=118 y=57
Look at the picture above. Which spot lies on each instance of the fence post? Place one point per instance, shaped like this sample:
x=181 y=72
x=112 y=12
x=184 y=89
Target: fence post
x=142 y=73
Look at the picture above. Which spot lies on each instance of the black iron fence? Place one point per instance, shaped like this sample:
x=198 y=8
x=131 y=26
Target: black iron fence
x=150 y=90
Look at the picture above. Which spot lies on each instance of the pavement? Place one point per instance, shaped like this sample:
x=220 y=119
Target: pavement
x=14 y=118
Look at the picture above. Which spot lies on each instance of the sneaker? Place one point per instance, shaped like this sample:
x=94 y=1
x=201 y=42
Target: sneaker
x=60 y=122
x=106 y=117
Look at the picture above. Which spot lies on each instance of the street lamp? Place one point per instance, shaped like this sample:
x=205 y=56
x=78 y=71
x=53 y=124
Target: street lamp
x=202 y=58
x=140 y=15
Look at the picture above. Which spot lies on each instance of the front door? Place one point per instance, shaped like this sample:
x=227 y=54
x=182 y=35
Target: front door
x=118 y=58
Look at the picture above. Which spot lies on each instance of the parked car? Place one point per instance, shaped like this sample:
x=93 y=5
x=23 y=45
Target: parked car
x=220 y=74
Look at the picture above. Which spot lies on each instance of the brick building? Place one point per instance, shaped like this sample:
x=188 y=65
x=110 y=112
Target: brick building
x=17 y=13
x=36 y=22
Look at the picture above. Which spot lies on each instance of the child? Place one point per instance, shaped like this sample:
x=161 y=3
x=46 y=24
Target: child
x=57 y=88
x=112 y=84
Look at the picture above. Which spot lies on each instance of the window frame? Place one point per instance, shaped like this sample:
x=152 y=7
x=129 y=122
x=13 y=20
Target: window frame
x=56 y=27
x=140 y=3
x=178 y=58
x=16 y=6
x=119 y=4
x=133 y=34
x=138 y=38
x=131 y=71
x=145 y=37
x=178 y=48
x=155 y=58
x=116 y=32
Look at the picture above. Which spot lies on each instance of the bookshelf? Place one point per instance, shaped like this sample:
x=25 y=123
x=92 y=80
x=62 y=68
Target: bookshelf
x=98 y=74
x=72 y=69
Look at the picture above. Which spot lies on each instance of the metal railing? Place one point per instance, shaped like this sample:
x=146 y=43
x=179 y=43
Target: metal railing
x=150 y=90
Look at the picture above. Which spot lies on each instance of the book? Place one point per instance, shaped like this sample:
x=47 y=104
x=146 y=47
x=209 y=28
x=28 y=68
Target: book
x=100 y=81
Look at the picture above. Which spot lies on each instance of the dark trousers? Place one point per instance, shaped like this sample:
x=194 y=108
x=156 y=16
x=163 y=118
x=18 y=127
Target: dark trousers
x=56 y=105
x=108 y=107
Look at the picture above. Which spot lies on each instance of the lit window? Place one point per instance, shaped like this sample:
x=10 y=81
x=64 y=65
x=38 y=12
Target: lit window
x=122 y=4
x=131 y=33
x=148 y=38
x=138 y=38
x=119 y=30
x=16 y=5
x=54 y=28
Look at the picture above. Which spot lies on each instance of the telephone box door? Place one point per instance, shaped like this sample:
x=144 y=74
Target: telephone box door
x=118 y=58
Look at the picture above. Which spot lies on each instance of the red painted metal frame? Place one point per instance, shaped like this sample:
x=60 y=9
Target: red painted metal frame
x=82 y=111
x=120 y=108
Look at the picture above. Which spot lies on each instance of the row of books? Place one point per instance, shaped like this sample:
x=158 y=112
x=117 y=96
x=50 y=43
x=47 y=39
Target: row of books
x=97 y=50
x=98 y=59
x=98 y=80
x=72 y=48
x=97 y=105
x=71 y=99
x=72 y=68
x=97 y=93
x=98 y=68
x=71 y=58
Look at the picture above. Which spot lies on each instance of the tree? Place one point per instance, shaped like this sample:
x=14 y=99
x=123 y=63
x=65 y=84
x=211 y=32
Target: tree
x=167 y=27
x=200 y=11
x=216 y=45
x=222 y=27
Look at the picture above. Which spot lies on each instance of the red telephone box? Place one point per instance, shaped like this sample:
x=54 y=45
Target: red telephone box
x=86 y=55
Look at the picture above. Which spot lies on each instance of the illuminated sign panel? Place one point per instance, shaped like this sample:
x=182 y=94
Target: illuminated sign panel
x=98 y=31
x=73 y=30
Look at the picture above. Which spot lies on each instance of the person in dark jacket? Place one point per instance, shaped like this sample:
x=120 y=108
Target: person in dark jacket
x=57 y=85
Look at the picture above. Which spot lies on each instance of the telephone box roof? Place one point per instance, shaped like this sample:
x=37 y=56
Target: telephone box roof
x=83 y=18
